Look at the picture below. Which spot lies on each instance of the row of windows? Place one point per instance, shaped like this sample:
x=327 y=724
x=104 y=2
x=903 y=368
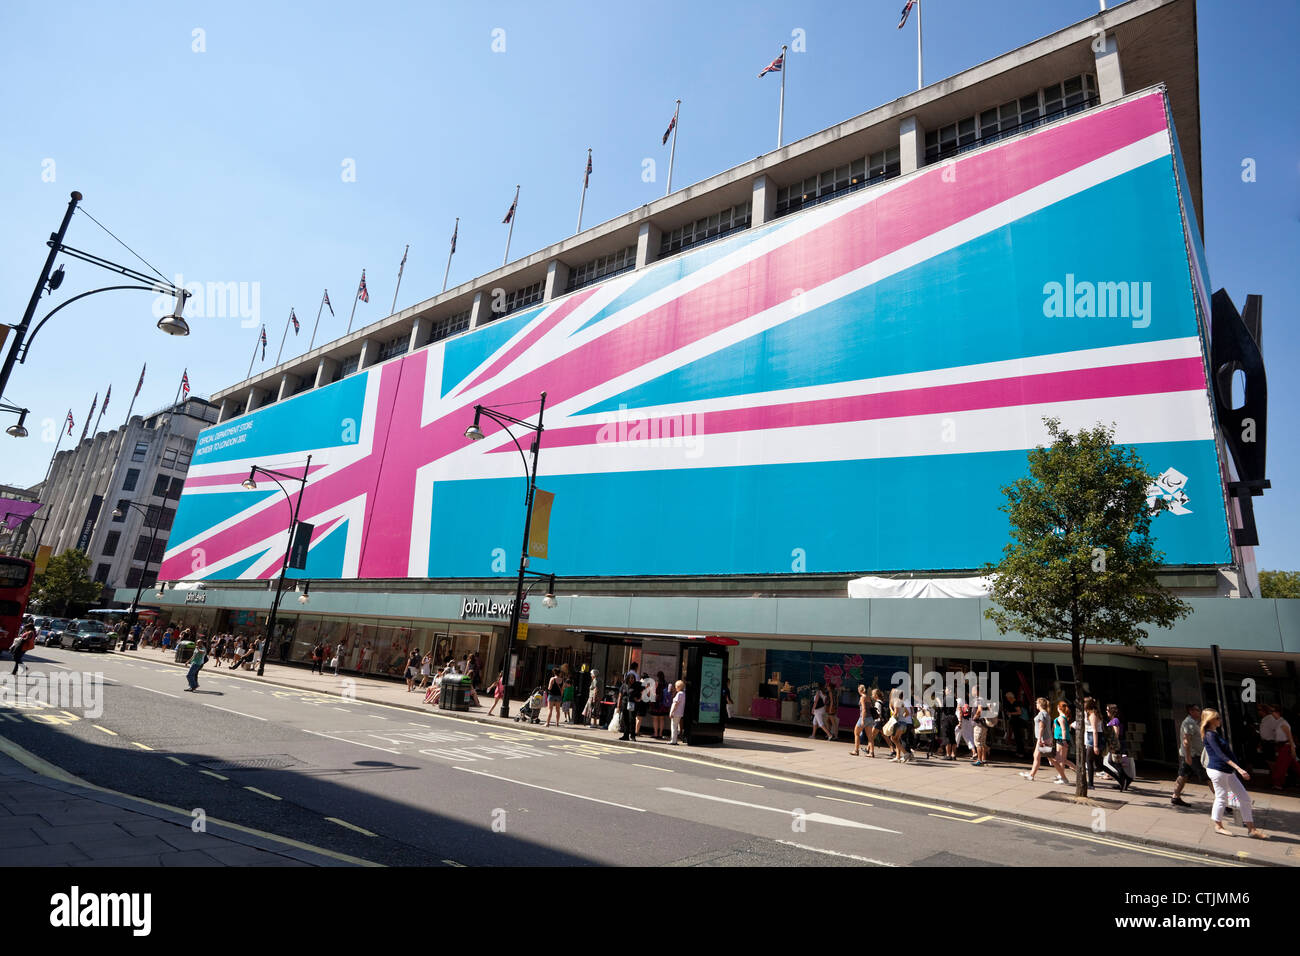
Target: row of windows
x=164 y=517
x=394 y=347
x=164 y=487
x=514 y=301
x=705 y=230
x=179 y=457
x=133 y=577
x=1050 y=103
x=600 y=268
x=842 y=179
x=142 y=552
x=446 y=327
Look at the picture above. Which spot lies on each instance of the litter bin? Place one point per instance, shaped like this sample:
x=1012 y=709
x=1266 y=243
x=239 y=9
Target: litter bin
x=184 y=651
x=454 y=694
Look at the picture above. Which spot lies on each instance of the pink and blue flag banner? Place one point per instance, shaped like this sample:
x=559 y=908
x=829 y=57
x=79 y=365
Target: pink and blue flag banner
x=701 y=420
x=16 y=511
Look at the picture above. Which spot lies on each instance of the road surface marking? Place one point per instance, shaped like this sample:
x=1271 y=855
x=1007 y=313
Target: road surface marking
x=141 y=746
x=860 y=803
x=344 y=709
x=649 y=767
x=263 y=793
x=229 y=711
x=1154 y=851
x=178 y=760
x=64 y=667
x=375 y=716
x=850 y=856
x=152 y=691
x=111 y=733
x=740 y=783
x=809 y=817
x=212 y=774
x=982 y=819
x=454 y=863
x=563 y=793
x=349 y=741
x=55 y=772
x=351 y=826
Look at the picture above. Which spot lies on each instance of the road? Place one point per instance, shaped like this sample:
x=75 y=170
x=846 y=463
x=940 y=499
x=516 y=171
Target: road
x=398 y=787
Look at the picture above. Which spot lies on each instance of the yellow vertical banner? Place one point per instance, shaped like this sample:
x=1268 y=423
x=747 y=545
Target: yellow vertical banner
x=43 y=557
x=539 y=533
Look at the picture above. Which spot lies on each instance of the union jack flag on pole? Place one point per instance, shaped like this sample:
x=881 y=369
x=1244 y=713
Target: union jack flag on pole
x=447 y=271
x=907 y=9
x=294 y=319
x=185 y=381
x=263 y=337
x=107 y=395
x=774 y=67
x=510 y=218
x=327 y=302
x=362 y=292
x=70 y=421
x=672 y=153
x=141 y=382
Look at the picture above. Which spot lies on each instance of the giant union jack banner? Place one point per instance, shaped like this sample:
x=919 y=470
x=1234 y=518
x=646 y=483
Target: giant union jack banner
x=844 y=389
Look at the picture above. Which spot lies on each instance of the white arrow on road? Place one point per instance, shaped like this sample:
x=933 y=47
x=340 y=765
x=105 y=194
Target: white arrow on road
x=809 y=817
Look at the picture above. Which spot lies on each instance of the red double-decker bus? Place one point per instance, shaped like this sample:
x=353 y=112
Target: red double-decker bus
x=15 y=589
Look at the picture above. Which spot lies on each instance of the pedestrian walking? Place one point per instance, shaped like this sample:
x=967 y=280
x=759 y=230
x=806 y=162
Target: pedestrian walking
x=1227 y=776
x=595 y=694
x=879 y=717
x=317 y=651
x=338 y=654
x=832 y=710
x=1043 y=745
x=629 y=695
x=819 y=713
x=554 y=696
x=426 y=669
x=23 y=643
x=1062 y=736
x=566 y=701
x=864 y=703
x=1276 y=730
x=663 y=699
x=676 y=711
x=965 y=727
x=1190 y=750
x=498 y=690
x=412 y=669
x=196 y=664
x=646 y=698
x=981 y=722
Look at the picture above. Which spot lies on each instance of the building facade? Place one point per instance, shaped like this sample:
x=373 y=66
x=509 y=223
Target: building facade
x=813 y=369
x=143 y=463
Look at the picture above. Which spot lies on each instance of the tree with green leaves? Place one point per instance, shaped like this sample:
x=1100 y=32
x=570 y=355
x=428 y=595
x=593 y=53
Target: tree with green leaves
x=65 y=587
x=1081 y=565
x=1279 y=584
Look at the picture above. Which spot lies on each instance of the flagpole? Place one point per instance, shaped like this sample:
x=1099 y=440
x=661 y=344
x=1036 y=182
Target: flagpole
x=450 y=253
x=319 y=309
x=282 y=339
x=354 y=305
x=130 y=407
x=672 y=153
x=514 y=211
x=920 y=82
x=780 y=116
x=256 y=343
x=393 y=310
x=100 y=417
x=45 y=488
x=583 y=201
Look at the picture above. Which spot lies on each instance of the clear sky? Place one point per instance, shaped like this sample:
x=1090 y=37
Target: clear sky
x=227 y=164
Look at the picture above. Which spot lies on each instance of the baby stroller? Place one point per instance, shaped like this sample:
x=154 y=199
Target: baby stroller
x=532 y=708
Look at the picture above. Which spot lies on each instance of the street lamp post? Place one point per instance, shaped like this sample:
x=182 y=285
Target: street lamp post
x=474 y=433
x=148 y=558
x=251 y=484
x=173 y=324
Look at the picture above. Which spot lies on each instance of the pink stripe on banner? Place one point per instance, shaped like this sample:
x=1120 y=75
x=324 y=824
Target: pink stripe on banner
x=914 y=210
x=1144 y=378
x=536 y=332
x=236 y=478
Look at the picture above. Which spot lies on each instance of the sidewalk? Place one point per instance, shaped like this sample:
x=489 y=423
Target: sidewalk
x=1142 y=815
x=47 y=821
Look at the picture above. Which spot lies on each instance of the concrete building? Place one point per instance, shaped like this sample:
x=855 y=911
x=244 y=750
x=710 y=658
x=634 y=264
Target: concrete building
x=142 y=463
x=833 y=355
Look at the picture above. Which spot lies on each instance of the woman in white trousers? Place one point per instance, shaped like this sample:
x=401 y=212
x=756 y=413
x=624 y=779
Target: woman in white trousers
x=1224 y=769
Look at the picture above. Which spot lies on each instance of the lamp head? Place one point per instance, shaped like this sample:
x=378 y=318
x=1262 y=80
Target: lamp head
x=118 y=512
x=304 y=591
x=474 y=433
x=19 y=430
x=248 y=483
x=549 y=599
x=175 y=323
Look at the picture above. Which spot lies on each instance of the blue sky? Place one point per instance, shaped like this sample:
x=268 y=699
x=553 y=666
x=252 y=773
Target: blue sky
x=226 y=165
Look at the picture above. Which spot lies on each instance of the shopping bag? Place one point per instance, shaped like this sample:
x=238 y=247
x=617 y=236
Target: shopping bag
x=616 y=723
x=1130 y=767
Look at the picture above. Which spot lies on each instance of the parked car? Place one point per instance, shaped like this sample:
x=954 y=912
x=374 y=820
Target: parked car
x=88 y=635
x=50 y=633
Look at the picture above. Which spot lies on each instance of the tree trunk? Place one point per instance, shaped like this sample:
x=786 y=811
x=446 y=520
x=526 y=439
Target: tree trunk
x=1081 y=758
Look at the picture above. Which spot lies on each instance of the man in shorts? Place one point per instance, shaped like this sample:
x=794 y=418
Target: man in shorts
x=980 y=712
x=1190 y=748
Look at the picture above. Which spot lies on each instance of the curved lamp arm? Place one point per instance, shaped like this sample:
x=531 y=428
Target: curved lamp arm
x=27 y=345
